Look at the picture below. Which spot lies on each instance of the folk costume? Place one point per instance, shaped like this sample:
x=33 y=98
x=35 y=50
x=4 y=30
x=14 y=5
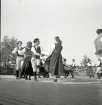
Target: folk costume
x=27 y=66
x=19 y=59
x=36 y=61
x=55 y=62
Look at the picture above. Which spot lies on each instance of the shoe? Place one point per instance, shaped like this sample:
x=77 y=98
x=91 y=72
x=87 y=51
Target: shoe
x=35 y=79
x=30 y=78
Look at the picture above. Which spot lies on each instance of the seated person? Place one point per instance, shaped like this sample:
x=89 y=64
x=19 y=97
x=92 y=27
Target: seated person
x=67 y=69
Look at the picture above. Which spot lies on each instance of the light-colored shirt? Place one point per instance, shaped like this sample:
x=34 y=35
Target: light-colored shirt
x=22 y=51
x=98 y=63
x=99 y=70
x=15 y=50
x=73 y=64
x=89 y=64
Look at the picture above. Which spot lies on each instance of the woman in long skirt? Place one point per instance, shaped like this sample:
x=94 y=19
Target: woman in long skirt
x=27 y=67
x=55 y=64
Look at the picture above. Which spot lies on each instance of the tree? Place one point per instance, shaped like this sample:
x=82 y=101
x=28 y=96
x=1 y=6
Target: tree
x=84 y=61
x=7 y=46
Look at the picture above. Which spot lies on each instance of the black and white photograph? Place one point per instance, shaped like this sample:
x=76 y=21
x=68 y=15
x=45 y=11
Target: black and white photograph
x=50 y=52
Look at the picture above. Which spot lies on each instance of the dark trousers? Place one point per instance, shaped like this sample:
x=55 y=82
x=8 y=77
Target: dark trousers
x=67 y=72
x=17 y=73
x=44 y=72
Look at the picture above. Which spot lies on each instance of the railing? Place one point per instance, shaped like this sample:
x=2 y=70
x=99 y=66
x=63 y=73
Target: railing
x=6 y=70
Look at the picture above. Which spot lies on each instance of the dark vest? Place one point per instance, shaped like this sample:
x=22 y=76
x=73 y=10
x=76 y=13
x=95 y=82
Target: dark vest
x=58 y=48
x=38 y=50
x=19 y=54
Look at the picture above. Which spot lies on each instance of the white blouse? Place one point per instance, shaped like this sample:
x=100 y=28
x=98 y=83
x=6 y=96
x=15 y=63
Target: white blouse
x=15 y=50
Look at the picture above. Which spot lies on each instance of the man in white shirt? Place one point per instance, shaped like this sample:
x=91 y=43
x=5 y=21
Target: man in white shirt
x=19 y=57
x=36 y=49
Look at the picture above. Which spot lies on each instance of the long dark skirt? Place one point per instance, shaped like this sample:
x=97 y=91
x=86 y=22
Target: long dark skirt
x=56 y=65
x=27 y=67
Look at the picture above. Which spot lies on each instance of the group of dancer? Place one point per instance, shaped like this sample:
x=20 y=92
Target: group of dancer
x=29 y=59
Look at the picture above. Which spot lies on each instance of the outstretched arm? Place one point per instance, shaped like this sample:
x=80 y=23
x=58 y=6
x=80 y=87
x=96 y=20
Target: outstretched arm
x=52 y=49
x=43 y=53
